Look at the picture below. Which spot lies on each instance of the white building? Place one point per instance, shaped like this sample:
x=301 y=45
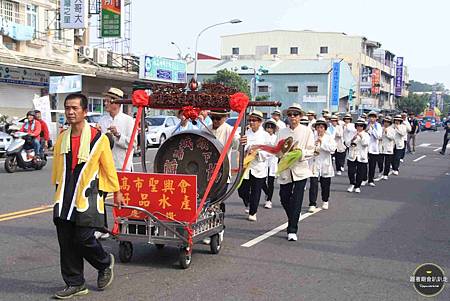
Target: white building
x=365 y=58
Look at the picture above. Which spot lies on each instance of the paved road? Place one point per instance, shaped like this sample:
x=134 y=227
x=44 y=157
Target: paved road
x=365 y=247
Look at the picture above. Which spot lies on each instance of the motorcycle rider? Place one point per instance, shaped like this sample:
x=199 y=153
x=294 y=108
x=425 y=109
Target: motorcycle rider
x=33 y=128
x=45 y=134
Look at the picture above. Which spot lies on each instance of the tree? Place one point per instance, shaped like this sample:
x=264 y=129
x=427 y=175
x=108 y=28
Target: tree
x=415 y=103
x=416 y=86
x=231 y=79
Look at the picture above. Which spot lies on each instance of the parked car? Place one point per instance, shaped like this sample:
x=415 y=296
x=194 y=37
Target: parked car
x=159 y=128
x=5 y=141
x=231 y=121
x=429 y=124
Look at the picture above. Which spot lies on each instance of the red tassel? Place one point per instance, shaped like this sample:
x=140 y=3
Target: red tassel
x=190 y=112
x=140 y=98
x=238 y=101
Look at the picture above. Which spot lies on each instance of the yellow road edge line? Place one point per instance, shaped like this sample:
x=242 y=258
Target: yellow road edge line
x=25 y=214
x=25 y=211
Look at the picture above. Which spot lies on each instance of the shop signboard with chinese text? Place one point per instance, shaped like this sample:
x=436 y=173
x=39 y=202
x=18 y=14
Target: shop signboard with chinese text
x=375 y=81
x=399 y=77
x=73 y=14
x=23 y=76
x=167 y=196
x=162 y=69
x=335 y=84
x=111 y=19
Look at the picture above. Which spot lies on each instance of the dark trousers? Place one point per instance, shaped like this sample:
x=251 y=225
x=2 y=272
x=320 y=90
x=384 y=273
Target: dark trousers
x=357 y=172
x=397 y=156
x=403 y=152
x=380 y=163
x=446 y=138
x=387 y=163
x=339 y=160
x=291 y=197
x=373 y=160
x=325 y=184
x=268 y=187
x=75 y=244
x=250 y=192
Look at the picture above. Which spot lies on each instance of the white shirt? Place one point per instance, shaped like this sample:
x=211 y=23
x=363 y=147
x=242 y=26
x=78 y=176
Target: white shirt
x=361 y=150
x=321 y=165
x=349 y=133
x=311 y=123
x=387 y=141
x=272 y=160
x=375 y=132
x=258 y=167
x=408 y=128
x=339 y=138
x=280 y=124
x=304 y=136
x=124 y=124
x=222 y=133
x=400 y=135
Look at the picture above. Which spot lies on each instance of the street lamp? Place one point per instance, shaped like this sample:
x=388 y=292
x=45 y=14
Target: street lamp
x=234 y=21
x=180 y=55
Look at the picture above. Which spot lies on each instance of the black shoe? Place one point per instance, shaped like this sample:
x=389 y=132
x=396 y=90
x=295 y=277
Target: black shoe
x=106 y=276
x=442 y=153
x=70 y=291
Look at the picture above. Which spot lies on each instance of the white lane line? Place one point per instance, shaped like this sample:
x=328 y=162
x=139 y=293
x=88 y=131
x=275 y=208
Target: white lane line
x=424 y=145
x=275 y=231
x=435 y=150
x=420 y=158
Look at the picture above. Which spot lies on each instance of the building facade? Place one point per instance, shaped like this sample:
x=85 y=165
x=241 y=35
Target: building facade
x=307 y=82
x=373 y=67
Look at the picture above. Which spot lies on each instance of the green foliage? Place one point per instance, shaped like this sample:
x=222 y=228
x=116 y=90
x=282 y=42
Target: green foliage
x=414 y=102
x=231 y=79
x=416 y=86
x=262 y=97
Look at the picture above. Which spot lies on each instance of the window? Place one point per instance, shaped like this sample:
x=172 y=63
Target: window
x=263 y=89
x=294 y=50
x=9 y=10
x=293 y=89
x=324 y=49
x=273 y=50
x=95 y=104
x=32 y=19
x=235 y=51
x=312 y=89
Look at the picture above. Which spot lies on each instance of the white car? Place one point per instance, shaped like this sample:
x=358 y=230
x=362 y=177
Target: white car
x=159 y=128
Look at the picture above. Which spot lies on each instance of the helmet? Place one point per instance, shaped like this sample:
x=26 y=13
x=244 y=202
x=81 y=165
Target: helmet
x=32 y=113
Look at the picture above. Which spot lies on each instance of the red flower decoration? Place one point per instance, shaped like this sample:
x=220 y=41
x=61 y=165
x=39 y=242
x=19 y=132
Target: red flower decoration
x=190 y=112
x=238 y=101
x=140 y=98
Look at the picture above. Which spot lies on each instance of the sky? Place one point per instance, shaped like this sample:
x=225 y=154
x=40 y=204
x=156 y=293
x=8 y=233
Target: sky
x=416 y=30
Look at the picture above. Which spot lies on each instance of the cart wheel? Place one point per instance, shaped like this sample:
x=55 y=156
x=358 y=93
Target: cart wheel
x=215 y=244
x=125 y=251
x=159 y=246
x=185 y=257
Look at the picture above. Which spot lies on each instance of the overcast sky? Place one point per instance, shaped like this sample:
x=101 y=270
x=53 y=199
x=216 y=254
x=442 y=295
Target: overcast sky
x=417 y=30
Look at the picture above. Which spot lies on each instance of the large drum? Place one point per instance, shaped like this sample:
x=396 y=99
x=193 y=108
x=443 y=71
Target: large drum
x=194 y=153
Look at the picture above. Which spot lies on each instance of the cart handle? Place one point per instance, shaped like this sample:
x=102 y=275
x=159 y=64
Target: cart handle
x=153 y=217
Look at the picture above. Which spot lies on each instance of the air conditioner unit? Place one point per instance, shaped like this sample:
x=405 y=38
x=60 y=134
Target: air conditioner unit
x=101 y=56
x=115 y=59
x=86 y=52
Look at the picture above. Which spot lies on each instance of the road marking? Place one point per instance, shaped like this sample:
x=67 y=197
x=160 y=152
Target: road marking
x=25 y=211
x=424 y=145
x=146 y=162
x=435 y=150
x=420 y=158
x=276 y=230
x=26 y=214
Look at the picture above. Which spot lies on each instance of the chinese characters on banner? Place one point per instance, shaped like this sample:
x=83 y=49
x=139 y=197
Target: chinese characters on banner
x=399 y=77
x=111 y=19
x=174 y=196
x=375 y=81
x=73 y=13
x=335 y=84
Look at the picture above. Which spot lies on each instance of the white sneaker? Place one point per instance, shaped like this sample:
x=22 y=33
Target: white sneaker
x=292 y=237
x=351 y=188
x=311 y=209
x=401 y=160
x=363 y=183
x=372 y=184
x=395 y=172
x=101 y=235
x=342 y=169
x=325 y=205
x=358 y=190
x=207 y=240
x=252 y=218
x=246 y=210
x=379 y=178
x=385 y=177
x=268 y=205
x=221 y=235
x=338 y=173
x=390 y=172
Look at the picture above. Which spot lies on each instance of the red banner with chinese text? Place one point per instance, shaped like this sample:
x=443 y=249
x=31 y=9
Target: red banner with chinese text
x=375 y=81
x=174 y=196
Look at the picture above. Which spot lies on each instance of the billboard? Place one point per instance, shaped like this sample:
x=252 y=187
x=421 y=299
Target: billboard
x=335 y=84
x=162 y=69
x=23 y=76
x=65 y=84
x=399 y=77
x=111 y=19
x=375 y=81
x=73 y=14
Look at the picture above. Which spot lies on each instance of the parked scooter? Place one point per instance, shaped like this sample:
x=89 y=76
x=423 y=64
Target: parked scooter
x=20 y=153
